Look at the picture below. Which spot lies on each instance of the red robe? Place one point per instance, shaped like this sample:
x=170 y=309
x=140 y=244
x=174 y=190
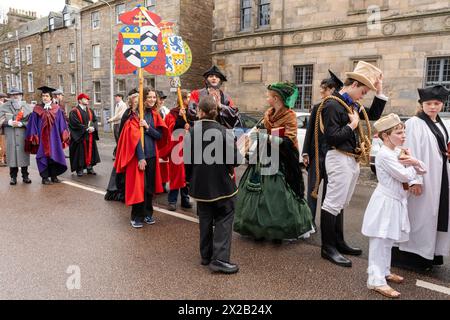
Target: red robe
x=126 y=159
x=177 y=175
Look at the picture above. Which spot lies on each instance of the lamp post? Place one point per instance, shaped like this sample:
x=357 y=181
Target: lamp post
x=111 y=62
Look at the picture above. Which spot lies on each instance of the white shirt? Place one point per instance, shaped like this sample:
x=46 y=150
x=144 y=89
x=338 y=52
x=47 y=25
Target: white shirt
x=386 y=215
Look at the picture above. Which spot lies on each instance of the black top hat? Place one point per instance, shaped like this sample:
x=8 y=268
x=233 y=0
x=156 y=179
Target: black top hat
x=338 y=84
x=216 y=71
x=46 y=89
x=433 y=93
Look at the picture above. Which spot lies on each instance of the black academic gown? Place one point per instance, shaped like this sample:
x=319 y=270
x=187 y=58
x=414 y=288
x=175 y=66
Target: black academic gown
x=80 y=140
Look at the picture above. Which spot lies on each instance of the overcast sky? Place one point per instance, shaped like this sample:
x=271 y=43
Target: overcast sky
x=42 y=7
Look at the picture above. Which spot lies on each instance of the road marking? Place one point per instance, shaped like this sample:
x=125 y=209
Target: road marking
x=170 y=213
x=433 y=287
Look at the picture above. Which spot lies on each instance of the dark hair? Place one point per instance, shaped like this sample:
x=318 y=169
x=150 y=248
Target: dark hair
x=209 y=106
x=184 y=94
x=118 y=95
x=349 y=82
x=328 y=83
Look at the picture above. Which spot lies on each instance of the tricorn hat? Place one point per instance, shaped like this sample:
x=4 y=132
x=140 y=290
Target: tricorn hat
x=387 y=122
x=46 y=89
x=433 y=93
x=215 y=70
x=365 y=73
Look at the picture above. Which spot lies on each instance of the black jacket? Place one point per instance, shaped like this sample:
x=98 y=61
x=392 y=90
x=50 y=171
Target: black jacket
x=309 y=143
x=337 y=133
x=214 y=181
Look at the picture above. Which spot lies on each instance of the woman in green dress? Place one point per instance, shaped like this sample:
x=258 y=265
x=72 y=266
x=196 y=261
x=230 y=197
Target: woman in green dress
x=270 y=202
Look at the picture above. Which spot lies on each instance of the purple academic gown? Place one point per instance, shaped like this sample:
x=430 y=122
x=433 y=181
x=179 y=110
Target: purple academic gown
x=47 y=134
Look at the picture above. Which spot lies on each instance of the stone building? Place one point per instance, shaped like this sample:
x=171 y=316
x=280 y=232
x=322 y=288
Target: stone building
x=257 y=42
x=194 y=23
x=20 y=48
x=44 y=51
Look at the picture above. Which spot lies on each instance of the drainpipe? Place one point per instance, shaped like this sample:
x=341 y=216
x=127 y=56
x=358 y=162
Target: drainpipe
x=281 y=60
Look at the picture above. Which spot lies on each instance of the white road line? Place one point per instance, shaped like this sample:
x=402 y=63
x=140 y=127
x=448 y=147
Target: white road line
x=170 y=213
x=433 y=287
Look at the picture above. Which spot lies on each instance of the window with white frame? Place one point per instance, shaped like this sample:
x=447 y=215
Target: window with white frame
x=66 y=18
x=71 y=52
x=61 y=82
x=17 y=81
x=120 y=8
x=22 y=55
x=264 y=13
x=51 y=24
x=150 y=5
x=29 y=54
x=49 y=81
x=30 y=82
x=59 y=54
x=95 y=19
x=72 y=83
x=17 y=57
x=6 y=58
x=304 y=79
x=13 y=81
x=47 y=55
x=96 y=56
x=246 y=14
x=121 y=87
x=438 y=72
x=97 y=92
x=8 y=82
x=150 y=82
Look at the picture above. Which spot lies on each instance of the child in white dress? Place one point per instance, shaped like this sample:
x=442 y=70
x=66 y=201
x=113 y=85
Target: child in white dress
x=386 y=218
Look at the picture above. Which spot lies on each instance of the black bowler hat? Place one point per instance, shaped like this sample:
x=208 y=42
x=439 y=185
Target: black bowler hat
x=46 y=89
x=438 y=92
x=161 y=94
x=216 y=71
x=338 y=84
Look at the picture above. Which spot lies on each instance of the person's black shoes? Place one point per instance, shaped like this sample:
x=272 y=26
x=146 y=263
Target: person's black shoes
x=80 y=173
x=224 y=267
x=56 y=180
x=46 y=181
x=186 y=205
x=13 y=181
x=26 y=180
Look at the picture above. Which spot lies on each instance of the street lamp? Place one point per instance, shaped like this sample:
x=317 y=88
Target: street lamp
x=111 y=62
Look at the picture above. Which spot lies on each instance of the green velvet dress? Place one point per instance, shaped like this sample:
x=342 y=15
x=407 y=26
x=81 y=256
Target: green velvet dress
x=272 y=206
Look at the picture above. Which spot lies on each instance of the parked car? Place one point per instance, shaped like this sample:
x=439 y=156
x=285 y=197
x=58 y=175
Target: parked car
x=377 y=142
x=303 y=119
x=248 y=121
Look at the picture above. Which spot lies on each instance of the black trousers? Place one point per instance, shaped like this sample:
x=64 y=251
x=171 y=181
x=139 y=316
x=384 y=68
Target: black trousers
x=116 y=128
x=312 y=203
x=53 y=170
x=140 y=210
x=14 y=171
x=215 y=243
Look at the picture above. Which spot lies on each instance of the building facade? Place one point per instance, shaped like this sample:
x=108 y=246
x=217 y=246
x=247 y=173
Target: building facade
x=193 y=21
x=258 y=42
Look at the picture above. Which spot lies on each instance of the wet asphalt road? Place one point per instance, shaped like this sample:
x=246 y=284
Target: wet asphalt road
x=44 y=230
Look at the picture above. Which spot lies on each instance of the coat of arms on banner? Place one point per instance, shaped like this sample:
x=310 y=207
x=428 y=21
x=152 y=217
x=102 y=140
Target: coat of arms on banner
x=140 y=44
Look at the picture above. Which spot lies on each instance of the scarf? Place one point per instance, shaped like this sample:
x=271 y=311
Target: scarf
x=284 y=118
x=443 y=199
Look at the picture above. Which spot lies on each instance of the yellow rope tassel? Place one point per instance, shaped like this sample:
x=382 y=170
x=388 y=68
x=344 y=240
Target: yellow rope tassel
x=362 y=153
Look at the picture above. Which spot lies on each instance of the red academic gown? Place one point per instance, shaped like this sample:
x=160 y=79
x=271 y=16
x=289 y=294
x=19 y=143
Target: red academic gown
x=126 y=159
x=177 y=175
